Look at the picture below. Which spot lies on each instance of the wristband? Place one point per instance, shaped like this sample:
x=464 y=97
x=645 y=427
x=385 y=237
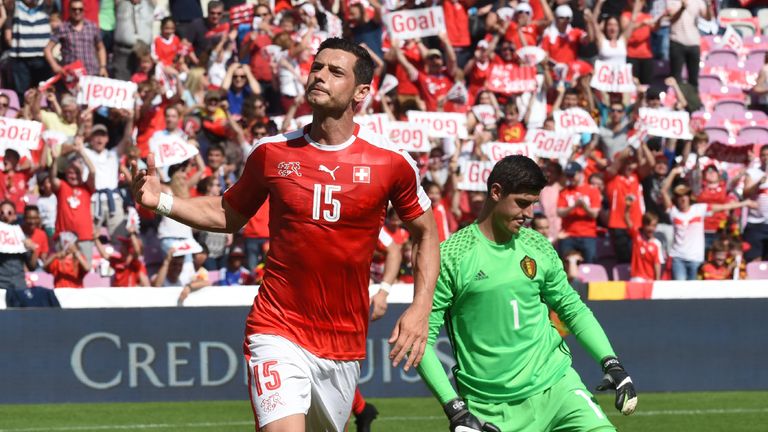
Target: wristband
x=165 y=204
x=386 y=287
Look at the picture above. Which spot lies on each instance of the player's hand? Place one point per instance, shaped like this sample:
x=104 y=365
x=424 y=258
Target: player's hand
x=146 y=185
x=379 y=303
x=616 y=378
x=410 y=336
x=464 y=421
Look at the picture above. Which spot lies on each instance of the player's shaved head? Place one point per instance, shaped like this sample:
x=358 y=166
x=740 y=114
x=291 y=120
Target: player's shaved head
x=517 y=174
x=364 y=66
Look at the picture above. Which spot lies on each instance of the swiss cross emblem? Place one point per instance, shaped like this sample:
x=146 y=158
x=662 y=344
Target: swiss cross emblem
x=361 y=174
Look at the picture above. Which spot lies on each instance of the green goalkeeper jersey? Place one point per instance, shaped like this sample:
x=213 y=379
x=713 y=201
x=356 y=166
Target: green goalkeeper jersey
x=493 y=301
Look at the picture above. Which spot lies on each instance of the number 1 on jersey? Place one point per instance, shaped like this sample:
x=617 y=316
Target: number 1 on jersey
x=515 y=313
x=319 y=199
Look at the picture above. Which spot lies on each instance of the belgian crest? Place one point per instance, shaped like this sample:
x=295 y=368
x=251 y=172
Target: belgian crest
x=528 y=265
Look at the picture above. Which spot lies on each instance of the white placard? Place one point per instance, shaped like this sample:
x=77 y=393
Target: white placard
x=186 y=247
x=732 y=39
x=613 y=77
x=474 y=175
x=666 y=123
x=377 y=123
x=497 y=151
x=96 y=91
x=11 y=239
x=415 y=23
x=171 y=150
x=532 y=55
x=408 y=137
x=54 y=139
x=440 y=124
x=486 y=114
x=20 y=134
x=574 y=120
x=549 y=144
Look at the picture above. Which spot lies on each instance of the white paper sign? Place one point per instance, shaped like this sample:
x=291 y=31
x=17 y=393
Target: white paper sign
x=20 y=134
x=486 y=114
x=574 y=120
x=549 y=144
x=666 y=123
x=497 y=151
x=440 y=124
x=474 y=175
x=171 y=150
x=408 y=137
x=54 y=138
x=532 y=55
x=732 y=39
x=96 y=91
x=613 y=77
x=11 y=239
x=377 y=123
x=415 y=23
x=186 y=247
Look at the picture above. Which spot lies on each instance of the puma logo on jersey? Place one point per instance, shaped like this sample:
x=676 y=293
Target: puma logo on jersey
x=481 y=276
x=287 y=168
x=325 y=169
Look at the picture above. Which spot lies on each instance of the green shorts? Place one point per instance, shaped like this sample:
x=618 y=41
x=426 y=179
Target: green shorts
x=567 y=406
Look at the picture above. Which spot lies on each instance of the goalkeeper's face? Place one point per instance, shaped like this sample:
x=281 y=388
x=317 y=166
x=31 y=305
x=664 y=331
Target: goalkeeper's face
x=512 y=210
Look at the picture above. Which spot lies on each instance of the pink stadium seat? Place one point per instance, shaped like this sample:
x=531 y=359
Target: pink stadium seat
x=753 y=135
x=755 y=115
x=621 y=272
x=213 y=276
x=710 y=84
x=41 y=279
x=592 y=273
x=757 y=270
x=755 y=59
x=721 y=57
x=717 y=134
x=729 y=109
x=94 y=280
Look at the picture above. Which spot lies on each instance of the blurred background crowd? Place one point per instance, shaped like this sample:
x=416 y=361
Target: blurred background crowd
x=621 y=203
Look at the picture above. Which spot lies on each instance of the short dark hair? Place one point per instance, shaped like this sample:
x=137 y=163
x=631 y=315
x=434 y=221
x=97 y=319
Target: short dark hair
x=536 y=218
x=215 y=4
x=517 y=174
x=31 y=207
x=363 y=68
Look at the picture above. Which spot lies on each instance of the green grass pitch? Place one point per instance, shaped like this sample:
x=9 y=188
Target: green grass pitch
x=678 y=412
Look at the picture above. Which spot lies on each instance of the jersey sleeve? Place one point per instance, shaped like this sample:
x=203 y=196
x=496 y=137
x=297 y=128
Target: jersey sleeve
x=251 y=190
x=406 y=194
x=562 y=203
x=560 y=296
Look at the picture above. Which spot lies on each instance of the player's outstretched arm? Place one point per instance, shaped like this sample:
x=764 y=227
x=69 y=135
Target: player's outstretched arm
x=411 y=330
x=616 y=378
x=203 y=213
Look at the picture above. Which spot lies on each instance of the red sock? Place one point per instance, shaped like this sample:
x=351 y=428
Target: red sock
x=358 y=403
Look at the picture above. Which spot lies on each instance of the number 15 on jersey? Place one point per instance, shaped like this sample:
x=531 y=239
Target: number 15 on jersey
x=323 y=197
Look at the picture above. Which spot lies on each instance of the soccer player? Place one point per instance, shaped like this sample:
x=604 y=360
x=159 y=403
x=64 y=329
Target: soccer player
x=328 y=186
x=496 y=280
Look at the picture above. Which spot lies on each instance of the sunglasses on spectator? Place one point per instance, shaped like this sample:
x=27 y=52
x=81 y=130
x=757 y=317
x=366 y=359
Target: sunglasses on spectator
x=215 y=13
x=522 y=12
x=239 y=76
x=263 y=14
x=212 y=101
x=76 y=9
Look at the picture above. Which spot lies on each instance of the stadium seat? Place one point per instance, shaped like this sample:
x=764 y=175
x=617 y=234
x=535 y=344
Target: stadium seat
x=744 y=28
x=755 y=60
x=621 y=272
x=717 y=134
x=722 y=57
x=213 y=276
x=710 y=84
x=757 y=270
x=729 y=110
x=592 y=273
x=753 y=135
x=94 y=280
x=41 y=279
x=762 y=18
x=730 y=14
x=755 y=115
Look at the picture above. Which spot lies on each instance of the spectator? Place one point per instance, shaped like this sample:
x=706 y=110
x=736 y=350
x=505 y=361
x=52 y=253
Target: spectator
x=639 y=52
x=239 y=84
x=31 y=296
x=654 y=203
x=14 y=178
x=612 y=35
x=69 y=265
x=5 y=105
x=736 y=259
x=561 y=41
x=33 y=232
x=216 y=243
x=756 y=231
x=713 y=190
x=133 y=27
x=175 y=271
x=685 y=40
x=27 y=37
x=73 y=197
x=549 y=197
x=46 y=202
x=234 y=274
x=364 y=27
x=647 y=251
x=717 y=267
x=205 y=33
x=540 y=224
x=578 y=205
x=80 y=39
x=615 y=134
x=439 y=210
x=522 y=31
x=185 y=12
x=13 y=265
x=195 y=88
x=166 y=46
x=253 y=50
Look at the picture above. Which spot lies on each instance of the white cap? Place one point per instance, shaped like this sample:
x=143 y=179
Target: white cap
x=524 y=7
x=482 y=44
x=563 y=11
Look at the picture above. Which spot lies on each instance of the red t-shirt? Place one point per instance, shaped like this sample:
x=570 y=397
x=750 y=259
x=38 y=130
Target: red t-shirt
x=39 y=238
x=457 y=23
x=565 y=48
x=14 y=187
x=714 y=195
x=431 y=87
x=67 y=272
x=148 y=123
x=73 y=211
x=530 y=34
x=710 y=271
x=639 y=42
x=476 y=79
x=617 y=189
x=514 y=133
x=645 y=254
x=260 y=61
x=166 y=49
x=327 y=205
x=578 y=223
x=405 y=86
x=126 y=273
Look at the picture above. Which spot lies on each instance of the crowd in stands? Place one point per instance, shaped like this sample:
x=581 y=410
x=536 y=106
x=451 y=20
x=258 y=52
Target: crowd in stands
x=218 y=76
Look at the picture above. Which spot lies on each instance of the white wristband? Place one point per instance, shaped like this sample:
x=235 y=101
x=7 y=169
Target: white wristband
x=385 y=287
x=165 y=204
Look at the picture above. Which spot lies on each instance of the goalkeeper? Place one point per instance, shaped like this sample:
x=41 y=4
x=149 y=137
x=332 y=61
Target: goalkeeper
x=513 y=369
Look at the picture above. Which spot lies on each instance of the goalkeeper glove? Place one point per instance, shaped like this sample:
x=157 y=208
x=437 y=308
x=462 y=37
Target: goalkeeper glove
x=616 y=378
x=464 y=421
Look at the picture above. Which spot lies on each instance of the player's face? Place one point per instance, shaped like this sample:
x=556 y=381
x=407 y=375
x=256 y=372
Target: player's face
x=331 y=82
x=511 y=210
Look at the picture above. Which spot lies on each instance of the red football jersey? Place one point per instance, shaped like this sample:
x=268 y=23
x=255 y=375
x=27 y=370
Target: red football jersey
x=578 y=223
x=327 y=205
x=645 y=254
